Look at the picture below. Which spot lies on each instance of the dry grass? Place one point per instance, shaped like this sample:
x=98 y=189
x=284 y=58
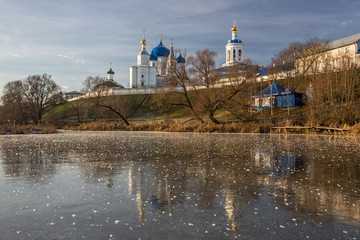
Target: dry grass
x=27 y=129
x=169 y=125
x=355 y=130
x=96 y=126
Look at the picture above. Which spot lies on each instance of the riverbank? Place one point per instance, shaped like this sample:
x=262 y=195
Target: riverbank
x=27 y=129
x=169 y=125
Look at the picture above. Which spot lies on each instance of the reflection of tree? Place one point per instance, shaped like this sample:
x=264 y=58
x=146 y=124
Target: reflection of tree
x=322 y=180
x=197 y=170
x=167 y=172
x=96 y=166
x=32 y=160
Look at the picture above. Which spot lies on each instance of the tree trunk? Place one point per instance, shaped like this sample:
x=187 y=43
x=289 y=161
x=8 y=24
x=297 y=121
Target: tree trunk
x=213 y=119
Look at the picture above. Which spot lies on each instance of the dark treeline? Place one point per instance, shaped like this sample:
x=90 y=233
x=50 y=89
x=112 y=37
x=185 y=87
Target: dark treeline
x=26 y=101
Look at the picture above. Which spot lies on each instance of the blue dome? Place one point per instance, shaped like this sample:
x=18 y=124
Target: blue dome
x=180 y=59
x=153 y=56
x=161 y=51
x=235 y=41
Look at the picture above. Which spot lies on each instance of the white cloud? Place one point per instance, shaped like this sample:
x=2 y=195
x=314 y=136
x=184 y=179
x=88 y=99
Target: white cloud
x=13 y=54
x=72 y=57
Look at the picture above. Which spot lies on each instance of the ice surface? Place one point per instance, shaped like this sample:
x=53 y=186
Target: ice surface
x=145 y=185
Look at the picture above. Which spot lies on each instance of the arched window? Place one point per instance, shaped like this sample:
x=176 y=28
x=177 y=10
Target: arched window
x=240 y=52
x=234 y=55
x=228 y=55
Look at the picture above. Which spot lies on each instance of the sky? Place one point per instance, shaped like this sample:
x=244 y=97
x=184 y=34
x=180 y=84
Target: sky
x=73 y=39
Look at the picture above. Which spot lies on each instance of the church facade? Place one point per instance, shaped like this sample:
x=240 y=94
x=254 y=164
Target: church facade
x=151 y=69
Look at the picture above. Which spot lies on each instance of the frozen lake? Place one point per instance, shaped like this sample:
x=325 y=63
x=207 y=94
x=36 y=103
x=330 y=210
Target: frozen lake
x=148 y=185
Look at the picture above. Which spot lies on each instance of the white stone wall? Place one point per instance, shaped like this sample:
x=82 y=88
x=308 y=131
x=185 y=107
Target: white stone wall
x=161 y=70
x=143 y=59
x=133 y=77
x=232 y=58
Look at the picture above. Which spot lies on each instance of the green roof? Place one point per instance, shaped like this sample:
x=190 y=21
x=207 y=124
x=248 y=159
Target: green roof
x=110 y=71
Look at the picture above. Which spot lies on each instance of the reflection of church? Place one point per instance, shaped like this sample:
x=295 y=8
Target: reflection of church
x=151 y=69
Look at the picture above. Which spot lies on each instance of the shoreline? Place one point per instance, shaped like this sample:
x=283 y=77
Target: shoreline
x=172 y=126
x=251 y=127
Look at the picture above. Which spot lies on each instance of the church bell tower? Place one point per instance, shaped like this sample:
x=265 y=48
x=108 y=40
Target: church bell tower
x=234 y=48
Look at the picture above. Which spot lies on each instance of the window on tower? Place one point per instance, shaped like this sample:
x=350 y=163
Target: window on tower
x=234 y=55
x=240 y=52
x=228 y=55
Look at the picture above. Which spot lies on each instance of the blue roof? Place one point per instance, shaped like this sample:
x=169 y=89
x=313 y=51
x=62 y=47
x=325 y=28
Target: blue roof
x=262 y=72
x=161 y=51
x=235 y=41
x=290 y=66
x=180 y=59
x=153 y=56
x=274 y=89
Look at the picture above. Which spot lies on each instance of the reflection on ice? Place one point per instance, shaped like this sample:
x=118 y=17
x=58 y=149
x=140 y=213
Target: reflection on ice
x=179 y=186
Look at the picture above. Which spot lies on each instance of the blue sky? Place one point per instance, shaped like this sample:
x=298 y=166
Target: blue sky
x=73 y=39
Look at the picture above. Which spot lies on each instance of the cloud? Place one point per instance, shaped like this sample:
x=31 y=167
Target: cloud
x=13 y=54
x=65 y=87
x=72 y=57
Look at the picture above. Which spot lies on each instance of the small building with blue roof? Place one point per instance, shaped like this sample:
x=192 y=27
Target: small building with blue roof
x=276 y=96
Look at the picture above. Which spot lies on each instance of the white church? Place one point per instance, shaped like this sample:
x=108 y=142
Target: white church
x=234 y=49
x=151 y=69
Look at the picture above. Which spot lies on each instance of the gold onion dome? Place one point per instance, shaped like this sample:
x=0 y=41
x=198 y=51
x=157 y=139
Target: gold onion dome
x=234 y=29
x=143 y=42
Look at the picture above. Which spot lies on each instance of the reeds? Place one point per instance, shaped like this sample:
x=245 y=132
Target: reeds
x=169 y=125
x=27 y=129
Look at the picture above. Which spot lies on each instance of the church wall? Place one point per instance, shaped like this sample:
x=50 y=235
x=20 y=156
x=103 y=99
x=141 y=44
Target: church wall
x=142 y=76
x=152 y=74
x=133 y=77
x=162 y=65
x=143 y=60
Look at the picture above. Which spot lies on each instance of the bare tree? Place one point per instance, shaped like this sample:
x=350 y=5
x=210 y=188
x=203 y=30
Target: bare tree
x=198 y=86
x=213 y=94
x=15 y=108
x=241 y=86
x=336 y=95
x=299 y=60
x=80 y=108
x=33 y=96
x=179 y=87
x=99 y=95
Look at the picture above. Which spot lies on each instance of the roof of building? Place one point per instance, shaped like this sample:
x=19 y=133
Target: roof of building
x=344 y=41
x=110 y=71
x=274 y=89
x=161 y=51
x=143 y=52
x=180 y=59
x=153 y=56
x=235 y=41
x=262 y=72
x=73 y=93
x=111 y=84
